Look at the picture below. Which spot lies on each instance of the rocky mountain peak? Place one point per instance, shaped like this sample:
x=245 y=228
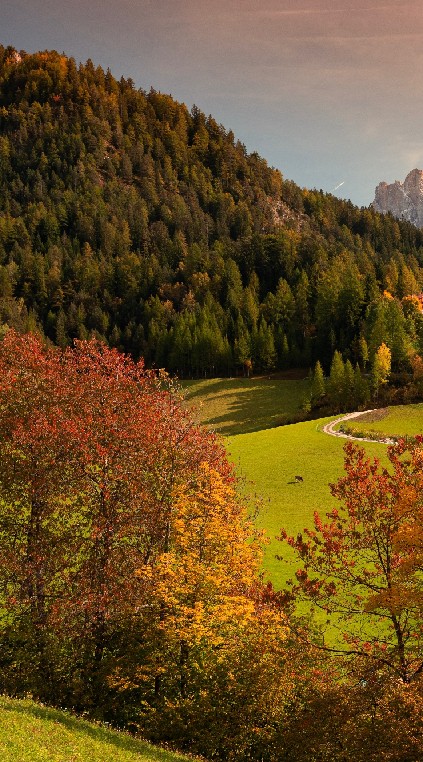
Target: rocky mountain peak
x=403 y=199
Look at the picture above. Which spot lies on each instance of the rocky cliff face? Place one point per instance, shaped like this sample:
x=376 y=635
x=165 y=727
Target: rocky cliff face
x=403 y=200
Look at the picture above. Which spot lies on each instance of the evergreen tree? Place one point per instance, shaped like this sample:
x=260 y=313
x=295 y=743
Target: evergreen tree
x=361 y=389
x=363 y=351
x=282 y=348
x=242 y=348
x=349 y=400
x=336 y=382
x=264 y=347
x=302 y=307
x=318 y=386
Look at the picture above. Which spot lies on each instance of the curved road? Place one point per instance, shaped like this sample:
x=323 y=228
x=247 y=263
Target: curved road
x=328 y=428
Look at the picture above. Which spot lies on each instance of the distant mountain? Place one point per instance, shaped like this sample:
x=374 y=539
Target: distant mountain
x=402 y=200
x=127 y=216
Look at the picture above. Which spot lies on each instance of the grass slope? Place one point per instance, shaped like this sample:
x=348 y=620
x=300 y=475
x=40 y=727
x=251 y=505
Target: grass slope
x=397 y=421
x=269 y=461
x=33 y=733
x=241 y=405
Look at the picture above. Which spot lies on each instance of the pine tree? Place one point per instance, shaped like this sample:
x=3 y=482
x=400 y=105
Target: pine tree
x=349 y=401
x=242 y=350
x=318 y=386
x=265 y=347
x=361 y=388
x=336 y=383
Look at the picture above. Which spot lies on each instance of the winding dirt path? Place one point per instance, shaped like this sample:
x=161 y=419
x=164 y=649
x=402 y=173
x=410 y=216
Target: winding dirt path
x=328 y=428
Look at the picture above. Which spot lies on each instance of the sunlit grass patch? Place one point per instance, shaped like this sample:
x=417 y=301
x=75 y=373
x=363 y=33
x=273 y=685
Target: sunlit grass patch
x=401 y=420
x=30 y=732
x=270 y=460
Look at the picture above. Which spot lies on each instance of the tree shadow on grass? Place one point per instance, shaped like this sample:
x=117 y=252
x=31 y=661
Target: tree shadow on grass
x=249 y=405
x=213 y=386
x=120 y=740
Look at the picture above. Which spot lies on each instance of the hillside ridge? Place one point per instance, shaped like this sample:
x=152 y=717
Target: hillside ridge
x=128 y=217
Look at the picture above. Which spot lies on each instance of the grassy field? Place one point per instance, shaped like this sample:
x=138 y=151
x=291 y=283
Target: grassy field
x=269 y=460
x=242 y=405
x=33 y=733
x=397 y=421
x=268 y=455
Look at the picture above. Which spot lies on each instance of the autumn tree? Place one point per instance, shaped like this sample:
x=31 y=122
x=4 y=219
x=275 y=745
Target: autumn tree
x=92 y=448
x=365 y=716
x=199 y=585
x=381 y=368
x=362 y=565
x=37 y=482
x=129 y=564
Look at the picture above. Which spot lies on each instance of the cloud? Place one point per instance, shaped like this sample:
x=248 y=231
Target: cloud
x=323 y=11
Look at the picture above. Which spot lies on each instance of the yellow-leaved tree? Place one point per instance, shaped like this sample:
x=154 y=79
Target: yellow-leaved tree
x=214 y=672
x=381 y=368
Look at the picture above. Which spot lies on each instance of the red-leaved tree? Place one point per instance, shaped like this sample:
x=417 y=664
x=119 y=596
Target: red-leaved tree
x=93 y=450
x=362 y=565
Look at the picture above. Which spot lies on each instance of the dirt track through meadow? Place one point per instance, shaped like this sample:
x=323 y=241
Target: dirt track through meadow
x=328 y=428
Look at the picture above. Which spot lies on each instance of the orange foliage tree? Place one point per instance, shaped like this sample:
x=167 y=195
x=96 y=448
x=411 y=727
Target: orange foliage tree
x=362 y=566
x=94 y=453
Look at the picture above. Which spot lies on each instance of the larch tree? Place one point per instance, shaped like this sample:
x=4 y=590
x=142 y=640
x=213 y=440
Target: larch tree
x=381 y=368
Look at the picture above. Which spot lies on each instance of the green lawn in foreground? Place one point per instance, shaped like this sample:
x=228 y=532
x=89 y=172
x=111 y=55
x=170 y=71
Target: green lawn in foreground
x=397 y=421
x=241 y=405
x=33 y=733
x=269 y=461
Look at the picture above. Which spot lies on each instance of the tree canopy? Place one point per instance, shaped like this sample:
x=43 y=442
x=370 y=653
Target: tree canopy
x=126 y=217
x=362 y=565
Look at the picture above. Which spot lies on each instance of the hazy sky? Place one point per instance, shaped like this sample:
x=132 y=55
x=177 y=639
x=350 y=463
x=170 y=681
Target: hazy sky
x=328 y=91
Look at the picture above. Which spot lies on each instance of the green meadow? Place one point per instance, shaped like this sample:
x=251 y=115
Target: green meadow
x=397 y=421
x=30 y=732
x=250 y=413
x=269 y=460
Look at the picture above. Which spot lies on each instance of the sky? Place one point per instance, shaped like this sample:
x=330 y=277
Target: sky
x=328 y=91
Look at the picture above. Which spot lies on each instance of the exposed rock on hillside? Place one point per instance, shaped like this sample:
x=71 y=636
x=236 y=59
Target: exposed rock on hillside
x=403 y=200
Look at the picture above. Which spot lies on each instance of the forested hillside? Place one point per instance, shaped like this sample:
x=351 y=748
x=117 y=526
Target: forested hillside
x=127 y=217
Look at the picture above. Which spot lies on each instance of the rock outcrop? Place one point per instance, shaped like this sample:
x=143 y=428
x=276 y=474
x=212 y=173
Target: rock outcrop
x=403 y=200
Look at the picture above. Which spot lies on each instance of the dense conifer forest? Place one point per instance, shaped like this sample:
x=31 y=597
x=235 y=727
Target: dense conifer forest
x=128 y=218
